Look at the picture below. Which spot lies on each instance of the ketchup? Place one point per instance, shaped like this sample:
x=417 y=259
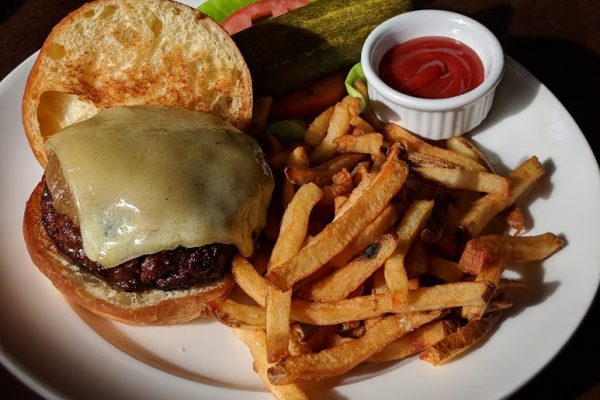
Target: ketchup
x=431 y=67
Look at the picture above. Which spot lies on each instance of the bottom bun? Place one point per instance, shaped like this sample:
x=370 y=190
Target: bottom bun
x=151 y=307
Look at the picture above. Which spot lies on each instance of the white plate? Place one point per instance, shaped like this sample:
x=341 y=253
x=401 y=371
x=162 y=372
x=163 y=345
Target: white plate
x=65 y=352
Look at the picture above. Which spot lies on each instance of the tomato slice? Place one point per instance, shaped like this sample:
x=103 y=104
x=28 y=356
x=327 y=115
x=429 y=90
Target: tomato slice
x=245 y=16
x=310 y=101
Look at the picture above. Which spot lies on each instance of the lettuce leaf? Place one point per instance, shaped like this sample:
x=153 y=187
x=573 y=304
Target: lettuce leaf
x=221 y=9
x=293 y=129
x=356 y=72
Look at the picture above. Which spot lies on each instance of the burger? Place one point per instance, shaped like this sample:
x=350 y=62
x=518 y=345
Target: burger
x=142 y=208
x=135 y=110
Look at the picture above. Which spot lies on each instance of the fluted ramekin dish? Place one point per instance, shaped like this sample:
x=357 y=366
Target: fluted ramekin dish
x=433 y=118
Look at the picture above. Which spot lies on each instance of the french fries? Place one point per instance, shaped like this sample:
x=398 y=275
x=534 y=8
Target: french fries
x=339 y=359
x=459 y=341
x=341 y=232
x=343 y=281
x=256 y=342
x=513 y=249
x=377 y=254
x=408 y=229
x=477 y=181
x=416 y=341
x=486 y=208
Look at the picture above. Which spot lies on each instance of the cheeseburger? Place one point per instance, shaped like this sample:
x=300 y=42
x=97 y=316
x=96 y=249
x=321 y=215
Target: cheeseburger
x=141 y=209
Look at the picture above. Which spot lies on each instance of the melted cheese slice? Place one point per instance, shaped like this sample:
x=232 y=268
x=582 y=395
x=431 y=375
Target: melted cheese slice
x=150 y=178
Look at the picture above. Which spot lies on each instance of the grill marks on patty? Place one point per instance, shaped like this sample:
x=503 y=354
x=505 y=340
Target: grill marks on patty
x=175 y=269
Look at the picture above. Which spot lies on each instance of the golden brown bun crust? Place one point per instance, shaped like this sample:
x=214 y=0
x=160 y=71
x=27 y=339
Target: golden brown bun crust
x=153 y=307
x=129 y=52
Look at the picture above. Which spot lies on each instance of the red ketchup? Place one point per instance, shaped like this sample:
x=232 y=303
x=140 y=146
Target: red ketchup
x=431 y=67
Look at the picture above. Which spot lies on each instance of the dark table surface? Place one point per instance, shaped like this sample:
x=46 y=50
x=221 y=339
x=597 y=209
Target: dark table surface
x=557 y=40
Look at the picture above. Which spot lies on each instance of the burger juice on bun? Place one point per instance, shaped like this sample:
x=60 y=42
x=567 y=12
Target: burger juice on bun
x=142 y=208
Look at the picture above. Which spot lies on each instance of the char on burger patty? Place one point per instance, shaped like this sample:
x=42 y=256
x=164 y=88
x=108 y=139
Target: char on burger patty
x=175 y=269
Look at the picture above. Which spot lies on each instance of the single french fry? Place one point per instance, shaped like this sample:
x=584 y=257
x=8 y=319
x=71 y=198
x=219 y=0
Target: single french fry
x=248 y=279
x=318 y=128
x=462 y=145
x=234 y=314
x=512 y=249
x=370 y=306
x=255 y=340
x=368 y=143
x=443 y=268
x=344 y=280
x=437 y=297
x=408 y=229
x=277 y=323
x=487 y=207
x=418 y=159
x=338 y=234
x=477 y=181
x=395 y=133
x=416 y=341
x=294 y=224
x=339 y=125
x=461 y=340
x=340 y=359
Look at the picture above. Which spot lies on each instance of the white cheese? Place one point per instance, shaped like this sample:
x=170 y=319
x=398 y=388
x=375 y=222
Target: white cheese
x=151 y=178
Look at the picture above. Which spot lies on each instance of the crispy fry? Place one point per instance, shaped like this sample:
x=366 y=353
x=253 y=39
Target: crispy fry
x=416 y=341
x=359 y=171
x=318 y=128
x=368 y=143
x=408 y=229
x=486 y=208
x=370 y=306
x=344 y=280
x=248 y=279
x=338 y=234
x=339 y=125
x=294 y=224
x=459 y=341
x=418 y=159
x=340 y=359
x=256 y=342
x=277 y=323
x=476 y=181
x=375 y=229
x=234 y=314
x=462 y=145
x=515 y=219
x=395 y=133
x=512 y=249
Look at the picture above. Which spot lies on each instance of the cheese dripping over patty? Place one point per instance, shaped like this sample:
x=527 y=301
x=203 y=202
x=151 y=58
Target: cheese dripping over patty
x=143 y=179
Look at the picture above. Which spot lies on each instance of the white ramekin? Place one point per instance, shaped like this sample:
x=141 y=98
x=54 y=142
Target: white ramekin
x=433 y=118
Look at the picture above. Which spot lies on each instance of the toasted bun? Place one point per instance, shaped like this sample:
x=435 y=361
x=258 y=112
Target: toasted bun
x=153 y=307
x=129 y=52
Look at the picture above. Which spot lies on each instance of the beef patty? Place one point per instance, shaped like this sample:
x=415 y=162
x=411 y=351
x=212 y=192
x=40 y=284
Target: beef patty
x=175 y=269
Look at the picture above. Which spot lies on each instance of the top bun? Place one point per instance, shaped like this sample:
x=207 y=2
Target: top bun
x=130 y=52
